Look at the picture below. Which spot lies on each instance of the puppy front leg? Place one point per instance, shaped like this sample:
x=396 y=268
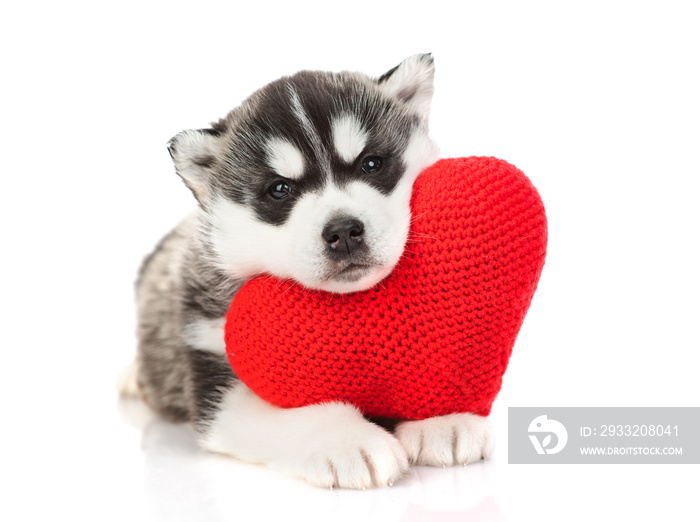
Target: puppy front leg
x=460 y=438
x=328 y=445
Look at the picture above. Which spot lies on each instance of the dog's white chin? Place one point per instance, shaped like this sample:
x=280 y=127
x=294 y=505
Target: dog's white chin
x=357 y=281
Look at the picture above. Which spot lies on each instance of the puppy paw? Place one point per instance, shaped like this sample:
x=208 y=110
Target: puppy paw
x=328 y=444
x=460 y=438
x=357 y=456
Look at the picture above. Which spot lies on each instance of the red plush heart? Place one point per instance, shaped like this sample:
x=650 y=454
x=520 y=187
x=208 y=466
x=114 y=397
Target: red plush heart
x=435 y=336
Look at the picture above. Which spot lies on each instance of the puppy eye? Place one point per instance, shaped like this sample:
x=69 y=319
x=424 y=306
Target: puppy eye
x=371 y=164
x=279 y=190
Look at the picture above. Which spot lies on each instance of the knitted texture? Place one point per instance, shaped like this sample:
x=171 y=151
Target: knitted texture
x=435 y=336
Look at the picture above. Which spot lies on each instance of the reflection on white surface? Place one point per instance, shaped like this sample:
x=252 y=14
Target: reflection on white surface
x=183 y=482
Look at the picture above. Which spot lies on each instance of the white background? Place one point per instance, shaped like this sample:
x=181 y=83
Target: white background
x=597 y=102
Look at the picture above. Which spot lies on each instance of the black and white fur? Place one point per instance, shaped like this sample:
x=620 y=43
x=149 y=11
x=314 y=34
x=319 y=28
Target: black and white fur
x=309 y=179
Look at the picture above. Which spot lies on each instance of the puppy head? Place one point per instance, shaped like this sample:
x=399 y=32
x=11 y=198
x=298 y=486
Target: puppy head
x=310 y=178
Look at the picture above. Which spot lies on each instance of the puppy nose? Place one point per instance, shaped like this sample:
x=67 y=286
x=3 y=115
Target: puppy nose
x=344 y=236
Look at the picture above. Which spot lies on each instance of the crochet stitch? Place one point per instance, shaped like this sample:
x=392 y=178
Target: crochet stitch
x=436 y=335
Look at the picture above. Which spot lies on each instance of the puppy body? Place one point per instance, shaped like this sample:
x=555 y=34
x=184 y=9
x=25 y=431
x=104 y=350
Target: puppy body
x=309 y=179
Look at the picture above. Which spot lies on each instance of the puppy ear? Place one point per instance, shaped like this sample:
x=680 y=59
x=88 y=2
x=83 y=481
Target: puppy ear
x=411 y=82
x=195 y=153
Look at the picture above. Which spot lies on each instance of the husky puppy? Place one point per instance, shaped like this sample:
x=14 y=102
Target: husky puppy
x=308 y=179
